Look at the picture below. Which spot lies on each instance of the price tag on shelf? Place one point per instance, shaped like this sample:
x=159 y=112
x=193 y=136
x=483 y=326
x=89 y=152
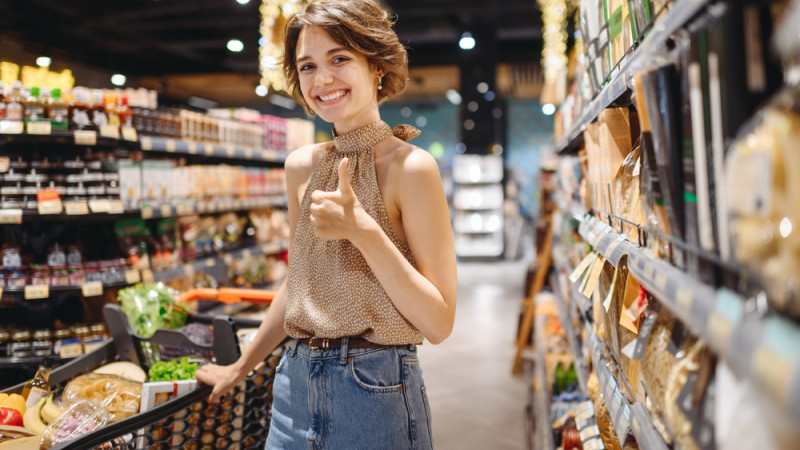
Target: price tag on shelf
x=5 y=162
x=211 y=262
x=147 y=276
x=48 y=202
x=99 y=206
x=184 y=209
x=166 y=210
x=230 y=151
x=115 y=207
x=109 y=131
x=78 y=208
x=37 y=292
x=661 y=282
x=129 y=134
x=146 y=143
x=246 y=253
x=202 y=207
x=147 y=212
x=208 y=149
x=248 y=153
x=92 y=289
x=192 y=147
x=41 y=128
x=228 y=259
x=188 y=270
x=85 y=137
x=170 y=145
x=132 y=276
x=10 y=216
x=11 y=127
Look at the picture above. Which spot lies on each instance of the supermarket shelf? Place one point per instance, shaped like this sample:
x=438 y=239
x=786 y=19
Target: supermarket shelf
x=90 y=138
x=188 y=207
x=564 y=316
x=225 y=151
x=621 y=80
x=215 y=262
x=761 y=348
x=625 y=416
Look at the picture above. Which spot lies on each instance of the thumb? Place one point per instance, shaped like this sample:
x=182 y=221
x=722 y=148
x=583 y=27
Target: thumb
x=344 y=177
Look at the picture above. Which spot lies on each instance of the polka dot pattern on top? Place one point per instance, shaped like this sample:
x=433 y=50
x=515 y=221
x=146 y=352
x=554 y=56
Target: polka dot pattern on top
x=332 y=292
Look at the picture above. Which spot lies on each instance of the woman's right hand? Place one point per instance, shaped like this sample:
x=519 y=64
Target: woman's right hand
x=223 y=378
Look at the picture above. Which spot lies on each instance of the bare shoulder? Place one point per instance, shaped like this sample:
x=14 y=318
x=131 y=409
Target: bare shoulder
x=304 y=158
x=413 y=161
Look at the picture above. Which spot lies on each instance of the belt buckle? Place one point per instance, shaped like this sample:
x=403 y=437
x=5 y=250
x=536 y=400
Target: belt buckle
x=324 y=344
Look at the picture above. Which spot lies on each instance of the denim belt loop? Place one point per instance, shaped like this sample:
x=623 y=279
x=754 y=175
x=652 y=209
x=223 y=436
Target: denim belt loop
x=344 y=350
x=293 y=347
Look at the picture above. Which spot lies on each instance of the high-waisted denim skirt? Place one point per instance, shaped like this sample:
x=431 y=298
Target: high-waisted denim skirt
x=349 y=399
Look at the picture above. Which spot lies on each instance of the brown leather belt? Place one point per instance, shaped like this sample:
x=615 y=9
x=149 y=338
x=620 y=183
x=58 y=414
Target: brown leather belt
x=316 y=343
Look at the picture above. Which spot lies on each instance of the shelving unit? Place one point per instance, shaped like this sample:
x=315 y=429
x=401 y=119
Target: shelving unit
x=478 y=204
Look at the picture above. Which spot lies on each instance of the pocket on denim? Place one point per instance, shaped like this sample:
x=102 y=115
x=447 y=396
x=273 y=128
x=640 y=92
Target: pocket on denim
x=281 y=362
x=378 y=371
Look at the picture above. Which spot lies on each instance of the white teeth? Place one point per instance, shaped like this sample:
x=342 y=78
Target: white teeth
x=334 y=96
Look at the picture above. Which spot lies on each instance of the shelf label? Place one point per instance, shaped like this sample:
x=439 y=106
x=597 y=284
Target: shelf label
x=146 y=143
x=208 y=149
x=99 y=206
x=37 y=292
x=132 y=276
x=11 y=127
x=188 y=270
x=115 y=207
x=77 y=208
x=129 y=134
x=109 y=131
x=85 y=137
x=147 y=276
x=246 y=253
x=230 y=151
x=147 y=212
x=248 y=153
x=166 y=210
x=170 y=145
x=184 y=209
x=202 y=207
x=92 y=289
x=192 y=147
x=40 y=128
x=211 y=262
x=10 y=216
x=5 y=162
x=227 y=259
x=48 y=202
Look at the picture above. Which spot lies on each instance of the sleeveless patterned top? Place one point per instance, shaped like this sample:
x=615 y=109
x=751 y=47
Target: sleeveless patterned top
x=332 y=292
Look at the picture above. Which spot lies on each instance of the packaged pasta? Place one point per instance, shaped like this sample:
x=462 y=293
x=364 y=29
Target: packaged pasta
x=80 y=418
x=120 y=397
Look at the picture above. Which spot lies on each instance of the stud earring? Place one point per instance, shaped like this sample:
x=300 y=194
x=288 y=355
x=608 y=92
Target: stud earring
x=380 y=83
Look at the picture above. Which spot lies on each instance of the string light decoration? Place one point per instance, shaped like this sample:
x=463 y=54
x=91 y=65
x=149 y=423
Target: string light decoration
x=274 y=14
x=554 y=48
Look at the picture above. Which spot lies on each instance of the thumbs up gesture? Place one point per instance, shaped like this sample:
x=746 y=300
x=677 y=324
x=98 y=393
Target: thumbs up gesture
x=336 y=214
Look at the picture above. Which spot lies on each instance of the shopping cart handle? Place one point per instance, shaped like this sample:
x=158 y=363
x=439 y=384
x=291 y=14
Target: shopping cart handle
x=228 y=295
x=129 y=425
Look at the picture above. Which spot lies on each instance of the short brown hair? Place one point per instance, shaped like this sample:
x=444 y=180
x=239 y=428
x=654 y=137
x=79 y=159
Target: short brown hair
x=361 y=26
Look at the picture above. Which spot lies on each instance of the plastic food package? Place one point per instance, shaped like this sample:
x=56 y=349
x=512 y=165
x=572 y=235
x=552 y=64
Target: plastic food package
x=120 y=397
x=80 y=418
x=150 y=307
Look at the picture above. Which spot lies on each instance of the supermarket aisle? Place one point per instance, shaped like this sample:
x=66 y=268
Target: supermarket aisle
x=475 y=401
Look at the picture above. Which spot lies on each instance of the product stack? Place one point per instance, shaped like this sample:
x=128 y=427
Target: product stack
x=675 y=256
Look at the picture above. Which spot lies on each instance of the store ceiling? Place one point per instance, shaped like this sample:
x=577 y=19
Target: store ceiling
x=171 y=44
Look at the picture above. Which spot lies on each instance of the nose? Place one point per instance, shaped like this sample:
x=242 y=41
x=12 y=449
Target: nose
x=324 y=76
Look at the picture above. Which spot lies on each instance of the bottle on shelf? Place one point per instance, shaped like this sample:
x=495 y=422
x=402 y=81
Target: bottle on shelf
x=58 y=111
x=110 y=105
x=98 y=109
x=81 y=115
x=2 y=101
x=15 y=103
x=34 y=107
x=125 y=112
x=38 y=387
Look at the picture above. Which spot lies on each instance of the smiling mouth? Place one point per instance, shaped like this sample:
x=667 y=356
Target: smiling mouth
x=332 y=96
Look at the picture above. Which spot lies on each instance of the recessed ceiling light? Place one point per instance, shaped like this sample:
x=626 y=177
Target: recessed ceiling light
x=235 y=45
x=467 y=42
x=43 y=61
x=118 y=79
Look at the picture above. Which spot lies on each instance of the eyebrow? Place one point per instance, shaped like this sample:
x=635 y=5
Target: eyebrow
x=329 y=52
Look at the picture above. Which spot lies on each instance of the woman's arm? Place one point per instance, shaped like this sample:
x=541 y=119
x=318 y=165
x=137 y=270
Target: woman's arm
x=425 y=296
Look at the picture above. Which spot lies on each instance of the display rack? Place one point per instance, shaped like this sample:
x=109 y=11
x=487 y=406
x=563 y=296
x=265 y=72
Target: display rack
x=620 y=83
x=746 y=341
x=156 y=210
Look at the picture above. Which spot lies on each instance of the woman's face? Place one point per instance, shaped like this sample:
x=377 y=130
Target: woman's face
x=337 y=83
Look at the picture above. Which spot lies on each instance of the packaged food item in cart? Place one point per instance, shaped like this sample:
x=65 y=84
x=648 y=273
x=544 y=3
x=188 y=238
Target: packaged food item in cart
x=80 y=418
x=150 y=307
x=120 y=397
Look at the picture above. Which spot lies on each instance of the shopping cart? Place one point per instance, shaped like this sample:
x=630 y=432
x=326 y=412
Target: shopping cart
x=239 y=421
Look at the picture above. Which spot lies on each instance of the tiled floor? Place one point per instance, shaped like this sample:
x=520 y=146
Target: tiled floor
x=475 y=401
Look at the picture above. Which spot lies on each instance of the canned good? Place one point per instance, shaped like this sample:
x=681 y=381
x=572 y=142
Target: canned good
x=42 y=344
x=20 y=344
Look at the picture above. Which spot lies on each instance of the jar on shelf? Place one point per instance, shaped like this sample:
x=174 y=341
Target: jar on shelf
x=5 y=342
x=40 y=275
x=81 y=332
x=59 y=276
x=42 y=344
x=95 y=338
x=20 y=346
x=65 y=344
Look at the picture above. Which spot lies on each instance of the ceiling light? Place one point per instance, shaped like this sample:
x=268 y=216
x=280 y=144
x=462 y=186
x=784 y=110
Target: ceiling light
x=242 y=2
x=43 y=61
x=483 y=87
x=472 y=106
x=261 y=90
x=118 y=79
x=421 y=121
x=467 y=42
x=453 y=96
x=235 y=45
x=548 y=109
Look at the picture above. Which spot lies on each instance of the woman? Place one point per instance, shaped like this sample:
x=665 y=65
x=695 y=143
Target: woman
x=372 y=267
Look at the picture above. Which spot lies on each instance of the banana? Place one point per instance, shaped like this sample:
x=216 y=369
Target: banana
x=50 y=411
x=32 y=418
